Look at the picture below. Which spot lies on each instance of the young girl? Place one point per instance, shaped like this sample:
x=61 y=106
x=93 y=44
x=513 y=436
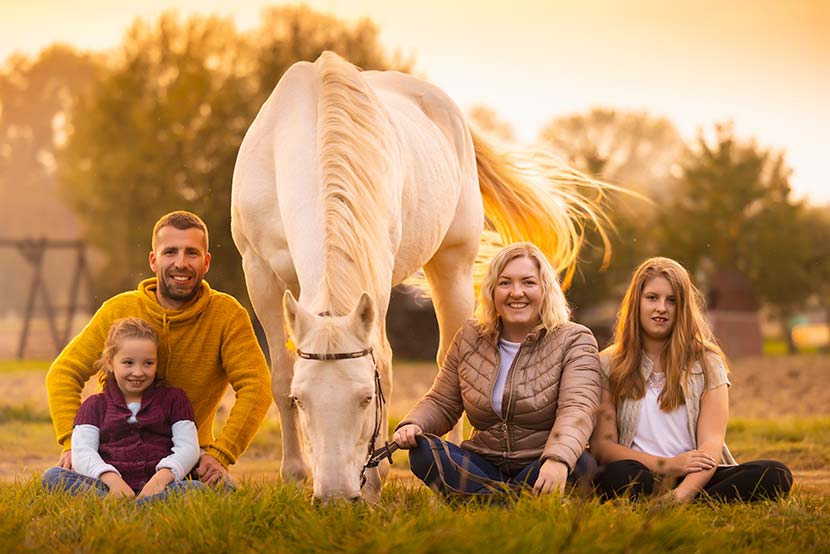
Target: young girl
x=665 y=403
x=136 y=439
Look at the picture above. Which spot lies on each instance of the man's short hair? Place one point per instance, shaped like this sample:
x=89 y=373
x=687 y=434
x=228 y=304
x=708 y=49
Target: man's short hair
x=180 y=220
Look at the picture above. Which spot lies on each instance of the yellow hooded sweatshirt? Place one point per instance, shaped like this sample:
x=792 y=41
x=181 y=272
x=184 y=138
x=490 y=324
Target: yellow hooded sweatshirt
x=203 y=347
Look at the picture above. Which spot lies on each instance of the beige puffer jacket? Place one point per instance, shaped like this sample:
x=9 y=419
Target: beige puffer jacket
x=550 y=397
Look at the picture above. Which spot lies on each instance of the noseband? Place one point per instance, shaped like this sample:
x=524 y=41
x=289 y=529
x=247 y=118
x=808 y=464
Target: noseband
x=374 y=457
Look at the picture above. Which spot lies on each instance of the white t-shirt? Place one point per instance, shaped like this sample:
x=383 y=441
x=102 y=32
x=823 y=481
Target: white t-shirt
x=659 y=433
x=507 y=351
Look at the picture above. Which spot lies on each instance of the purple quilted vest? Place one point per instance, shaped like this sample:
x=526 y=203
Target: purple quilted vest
x=135 y=448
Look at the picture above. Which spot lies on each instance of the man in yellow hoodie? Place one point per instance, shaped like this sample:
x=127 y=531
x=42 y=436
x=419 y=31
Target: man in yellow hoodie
x=206 y=342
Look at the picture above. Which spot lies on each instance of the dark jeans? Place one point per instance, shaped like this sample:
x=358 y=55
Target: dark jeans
x=746 y=482
x=60 y=479
x=465 y=473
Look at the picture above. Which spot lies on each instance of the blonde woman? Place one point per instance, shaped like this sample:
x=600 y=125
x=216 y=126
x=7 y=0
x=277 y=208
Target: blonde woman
x=665 y=401
x=528 y=379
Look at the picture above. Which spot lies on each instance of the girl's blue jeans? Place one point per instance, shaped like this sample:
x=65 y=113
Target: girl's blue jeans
x=60 y=479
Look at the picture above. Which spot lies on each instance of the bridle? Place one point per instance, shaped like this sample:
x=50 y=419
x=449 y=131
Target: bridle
x=373 y=456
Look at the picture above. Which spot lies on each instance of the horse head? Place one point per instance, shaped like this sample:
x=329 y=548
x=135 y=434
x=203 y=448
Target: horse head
x=336 y=393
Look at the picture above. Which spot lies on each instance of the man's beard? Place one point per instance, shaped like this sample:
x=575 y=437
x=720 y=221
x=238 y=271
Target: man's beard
x=183 y=296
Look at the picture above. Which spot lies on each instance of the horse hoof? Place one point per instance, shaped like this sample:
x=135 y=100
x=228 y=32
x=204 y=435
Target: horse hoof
x=294 y=474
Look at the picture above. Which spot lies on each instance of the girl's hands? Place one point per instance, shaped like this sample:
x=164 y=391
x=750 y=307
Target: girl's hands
x=552 y=477
x=689 y=462
x=117 y=486
x=157 y=483
x=405 y=436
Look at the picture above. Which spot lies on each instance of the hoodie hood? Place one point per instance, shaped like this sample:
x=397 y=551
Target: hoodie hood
x=147 y=290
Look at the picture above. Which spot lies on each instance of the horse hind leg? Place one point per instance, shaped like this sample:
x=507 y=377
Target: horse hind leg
x=450 y=277
x=265 y=291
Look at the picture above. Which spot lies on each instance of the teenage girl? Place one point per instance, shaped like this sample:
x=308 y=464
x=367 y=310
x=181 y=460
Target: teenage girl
x=665 y=403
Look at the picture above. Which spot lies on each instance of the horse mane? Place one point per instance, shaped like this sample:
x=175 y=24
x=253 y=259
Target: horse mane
x=356 y=146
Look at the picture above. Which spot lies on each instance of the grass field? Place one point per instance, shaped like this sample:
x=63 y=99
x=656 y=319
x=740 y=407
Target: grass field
x=789 y=422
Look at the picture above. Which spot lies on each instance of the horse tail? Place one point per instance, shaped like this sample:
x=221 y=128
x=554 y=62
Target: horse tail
x=537 y=199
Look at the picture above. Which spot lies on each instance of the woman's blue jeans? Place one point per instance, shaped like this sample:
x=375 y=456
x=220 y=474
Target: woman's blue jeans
x=60 y=479
x=465 y=473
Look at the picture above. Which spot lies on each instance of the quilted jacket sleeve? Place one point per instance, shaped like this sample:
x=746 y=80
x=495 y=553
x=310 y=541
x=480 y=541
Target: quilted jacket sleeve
x=441 y=407
x=579 y=394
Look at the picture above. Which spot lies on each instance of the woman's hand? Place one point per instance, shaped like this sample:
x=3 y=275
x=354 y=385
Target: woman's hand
x=157 y=483
x=405 y=436
x=117 y=486
x=552 y=477
x=689 y=462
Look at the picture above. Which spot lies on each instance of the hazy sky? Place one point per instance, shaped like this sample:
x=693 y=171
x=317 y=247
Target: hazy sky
x=765 y=64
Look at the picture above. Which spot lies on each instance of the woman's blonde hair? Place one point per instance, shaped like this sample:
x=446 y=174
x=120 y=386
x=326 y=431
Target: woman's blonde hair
x=121 y=329
x=688 y=343
x=554 y=309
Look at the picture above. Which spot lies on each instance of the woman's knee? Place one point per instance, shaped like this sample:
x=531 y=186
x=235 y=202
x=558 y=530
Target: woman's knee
x=624 y=477
x=421 y=459
x=773 y=478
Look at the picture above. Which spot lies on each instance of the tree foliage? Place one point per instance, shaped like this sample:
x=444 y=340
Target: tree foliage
x=160 y=129
x=733 y=210
x=36 y=94
x=632 y=150
x=816 y=236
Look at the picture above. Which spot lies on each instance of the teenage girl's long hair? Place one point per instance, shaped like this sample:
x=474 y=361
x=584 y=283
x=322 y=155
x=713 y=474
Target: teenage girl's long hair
x=120 y=330
x=689 y=343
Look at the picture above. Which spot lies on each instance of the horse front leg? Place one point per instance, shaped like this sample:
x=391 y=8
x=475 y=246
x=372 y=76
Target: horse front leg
x=266 y=291
x=293 y=467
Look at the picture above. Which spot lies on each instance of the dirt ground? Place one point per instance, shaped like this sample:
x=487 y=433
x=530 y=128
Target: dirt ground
x=762 y=388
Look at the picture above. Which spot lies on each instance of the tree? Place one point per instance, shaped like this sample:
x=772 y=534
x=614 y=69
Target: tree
x=733 y=211
x=631 y=149
x=815 y=232
x=635 y=151
x=36 y=94
x=161 y=128
x=485 y=120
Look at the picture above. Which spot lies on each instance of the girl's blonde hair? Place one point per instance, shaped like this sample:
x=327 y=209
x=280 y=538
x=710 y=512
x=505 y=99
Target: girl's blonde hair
x=689 y=343
x=554 y=309
x=121 y=329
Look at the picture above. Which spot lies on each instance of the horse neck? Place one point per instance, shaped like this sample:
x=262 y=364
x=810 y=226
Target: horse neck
x=357 y=168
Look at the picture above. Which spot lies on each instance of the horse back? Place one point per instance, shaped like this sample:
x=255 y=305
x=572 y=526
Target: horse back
x=441 y=203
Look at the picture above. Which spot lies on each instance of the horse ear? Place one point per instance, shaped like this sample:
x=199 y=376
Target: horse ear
x=363 y=316
x=296 y=318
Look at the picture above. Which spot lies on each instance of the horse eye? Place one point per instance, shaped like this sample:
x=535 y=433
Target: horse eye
x=365 y=402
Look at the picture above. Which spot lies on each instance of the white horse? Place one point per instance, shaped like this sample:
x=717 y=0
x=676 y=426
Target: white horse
x=346 y=184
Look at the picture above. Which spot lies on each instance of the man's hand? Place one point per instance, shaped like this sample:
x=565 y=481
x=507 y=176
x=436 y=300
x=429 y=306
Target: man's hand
x=552 y=477
x=210 y=471
x=65 y=461
x=118 y=487
x=157 y=483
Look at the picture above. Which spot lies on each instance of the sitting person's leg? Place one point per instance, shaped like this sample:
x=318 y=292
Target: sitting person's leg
x=624 y=478
x=449 y=469
x=176 y=487
x=755 y=480
x=60 y=479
